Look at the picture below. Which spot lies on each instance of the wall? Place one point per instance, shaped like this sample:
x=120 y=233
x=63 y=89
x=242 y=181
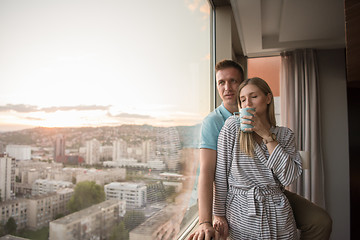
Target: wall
x=333 y=100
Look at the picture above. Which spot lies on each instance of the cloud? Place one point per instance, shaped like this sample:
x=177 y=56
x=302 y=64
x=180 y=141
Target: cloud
x=34 y=119
x=23 y=108
x=205 y=8
x=130 y=115
x=77 y=108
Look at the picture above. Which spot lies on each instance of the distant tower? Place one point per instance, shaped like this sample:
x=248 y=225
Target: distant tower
x=147 y=151
x=59 y=148
x=92 y=152
x=7 y=177
x=119 y=150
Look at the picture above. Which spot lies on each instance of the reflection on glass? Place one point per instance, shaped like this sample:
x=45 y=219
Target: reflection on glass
x=100 y=112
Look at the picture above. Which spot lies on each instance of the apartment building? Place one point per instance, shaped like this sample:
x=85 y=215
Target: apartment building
x=16 y=209
x=7 y=177
x=134 y=194
x=19 y=152
x=44 y=186
x=29 y=171
x=94 y=222
x=44 y=208
x=92 y=152
x=101 y=177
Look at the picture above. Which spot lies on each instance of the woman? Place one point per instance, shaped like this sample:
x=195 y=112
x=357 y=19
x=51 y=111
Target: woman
x=251 y=169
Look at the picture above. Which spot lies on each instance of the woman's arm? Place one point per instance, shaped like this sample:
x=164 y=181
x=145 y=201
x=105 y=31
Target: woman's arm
x=284 y=160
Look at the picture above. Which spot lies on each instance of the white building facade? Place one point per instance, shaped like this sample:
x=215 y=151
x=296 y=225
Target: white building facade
x=19 y=152
x=134 y=194
x=92 y=152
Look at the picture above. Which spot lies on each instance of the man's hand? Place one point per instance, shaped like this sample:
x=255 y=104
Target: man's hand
x=204 y=232
x=221 y=226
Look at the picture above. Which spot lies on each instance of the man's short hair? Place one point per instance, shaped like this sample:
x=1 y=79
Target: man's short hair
x=229 y=64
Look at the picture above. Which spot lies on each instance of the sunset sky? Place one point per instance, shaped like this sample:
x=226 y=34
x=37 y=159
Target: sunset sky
x=91 y=63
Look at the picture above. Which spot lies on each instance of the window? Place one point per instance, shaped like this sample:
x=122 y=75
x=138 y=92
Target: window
x=81 y=77
x=268 y=68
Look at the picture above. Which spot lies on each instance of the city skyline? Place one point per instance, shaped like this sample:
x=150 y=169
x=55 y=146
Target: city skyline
x=79 y=63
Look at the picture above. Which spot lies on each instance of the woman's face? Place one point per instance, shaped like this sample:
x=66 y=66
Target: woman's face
x=252 y=96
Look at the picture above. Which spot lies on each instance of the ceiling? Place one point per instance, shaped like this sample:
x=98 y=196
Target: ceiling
x=268 y=27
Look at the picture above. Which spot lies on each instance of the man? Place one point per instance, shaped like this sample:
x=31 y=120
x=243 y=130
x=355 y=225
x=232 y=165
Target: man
x=312 y=220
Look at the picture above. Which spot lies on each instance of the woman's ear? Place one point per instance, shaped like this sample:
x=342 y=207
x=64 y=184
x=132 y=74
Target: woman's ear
x=268 y=98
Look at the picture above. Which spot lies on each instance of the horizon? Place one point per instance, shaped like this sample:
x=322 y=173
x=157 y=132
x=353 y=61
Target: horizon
x=103 y=126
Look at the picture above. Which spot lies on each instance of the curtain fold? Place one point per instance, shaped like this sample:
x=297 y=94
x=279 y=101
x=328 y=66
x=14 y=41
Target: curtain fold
x=300 y=111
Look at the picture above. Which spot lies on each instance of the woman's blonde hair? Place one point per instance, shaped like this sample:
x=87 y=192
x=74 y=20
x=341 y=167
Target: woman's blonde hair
x=246 y=139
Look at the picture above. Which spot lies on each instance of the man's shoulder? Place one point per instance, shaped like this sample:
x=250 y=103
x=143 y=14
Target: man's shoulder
x=216 y=116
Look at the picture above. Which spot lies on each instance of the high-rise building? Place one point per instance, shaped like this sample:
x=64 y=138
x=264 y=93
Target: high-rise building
x=106 y=153
x=19 y=152
x=147 y=151
x=119 y=150
x=59 y=148
x=92 y=152
x=7 y=177
x=2 y=147
x=168 y=148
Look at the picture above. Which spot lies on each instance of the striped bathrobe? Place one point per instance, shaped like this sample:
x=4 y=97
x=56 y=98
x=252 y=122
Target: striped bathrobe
x=248 y=191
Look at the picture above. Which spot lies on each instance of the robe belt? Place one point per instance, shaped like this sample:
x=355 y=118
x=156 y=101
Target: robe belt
x=256 y=193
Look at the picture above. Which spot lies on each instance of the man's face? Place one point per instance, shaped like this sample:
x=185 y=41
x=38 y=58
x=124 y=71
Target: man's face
x=228 y=81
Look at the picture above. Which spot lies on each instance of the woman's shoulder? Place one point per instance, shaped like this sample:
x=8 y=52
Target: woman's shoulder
x=282 y=132
x=282 y=129
x=232 y=121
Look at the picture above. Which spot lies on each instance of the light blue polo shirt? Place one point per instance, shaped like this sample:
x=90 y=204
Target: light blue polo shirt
x=211 y=127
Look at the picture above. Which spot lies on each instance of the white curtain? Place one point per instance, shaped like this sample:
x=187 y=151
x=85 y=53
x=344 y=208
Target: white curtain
x=300 y=111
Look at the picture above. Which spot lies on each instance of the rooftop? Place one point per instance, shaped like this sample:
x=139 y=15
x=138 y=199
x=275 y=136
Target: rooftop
x=87 y=212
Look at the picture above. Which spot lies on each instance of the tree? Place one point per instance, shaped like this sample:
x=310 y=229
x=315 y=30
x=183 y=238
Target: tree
x=133 y=218
x=119 y=232
x=2 y=230
x=10 y=226
x=86 y=194
x=73 y=180
x=17 y=179
x=59 y=215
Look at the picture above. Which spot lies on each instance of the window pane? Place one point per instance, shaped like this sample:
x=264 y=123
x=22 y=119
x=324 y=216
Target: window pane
x=109 y=92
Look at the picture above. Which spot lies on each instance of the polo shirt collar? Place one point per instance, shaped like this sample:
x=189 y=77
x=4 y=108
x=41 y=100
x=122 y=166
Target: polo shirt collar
x=224 y=111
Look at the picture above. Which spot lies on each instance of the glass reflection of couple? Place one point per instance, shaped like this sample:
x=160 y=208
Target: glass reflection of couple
x=250 y=169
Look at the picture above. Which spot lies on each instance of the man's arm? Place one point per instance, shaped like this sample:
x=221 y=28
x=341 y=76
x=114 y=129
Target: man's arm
x=205 y=195
x=206 y=179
